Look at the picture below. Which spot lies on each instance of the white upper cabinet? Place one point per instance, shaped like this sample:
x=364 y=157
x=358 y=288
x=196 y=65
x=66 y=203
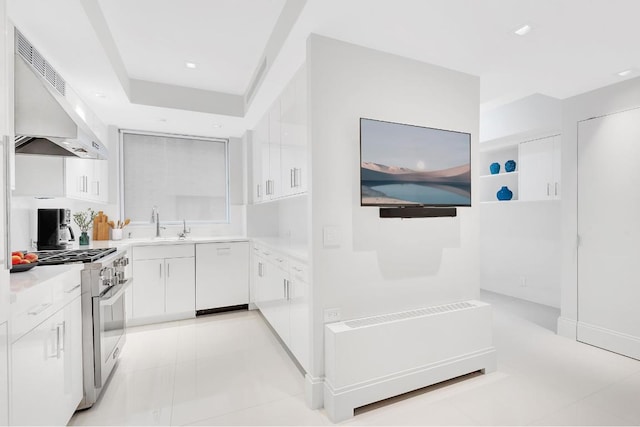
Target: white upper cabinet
x=75 y=178
x=260 y=159
x=87 y=179
x=294 y=136
x=279 y=145
x=540 y=169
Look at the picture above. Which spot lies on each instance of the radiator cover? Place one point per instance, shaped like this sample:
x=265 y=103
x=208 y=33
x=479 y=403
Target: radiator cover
x=377 y=357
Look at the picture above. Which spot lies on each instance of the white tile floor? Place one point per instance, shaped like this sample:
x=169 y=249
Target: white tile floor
x=230 y=370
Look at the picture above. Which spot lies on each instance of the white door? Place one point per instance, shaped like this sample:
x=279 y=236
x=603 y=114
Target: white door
x=148 y=288
x=609 y=230
x=180 y=285
x=222 y=275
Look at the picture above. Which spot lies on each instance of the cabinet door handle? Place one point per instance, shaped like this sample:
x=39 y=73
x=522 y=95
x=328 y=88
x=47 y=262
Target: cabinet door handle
x=284 y=288
x=63 y=327
x=160 y=265
x=556 y=188
x=168 y=271
x=97 y=188
x=548 y=191
x=292 y=178
x=258 y=190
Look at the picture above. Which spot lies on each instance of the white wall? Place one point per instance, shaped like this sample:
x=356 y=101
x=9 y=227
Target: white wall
x=607 y=100
x=520 y=250
x=382 y=265
x=525 y=119
x=520 y=243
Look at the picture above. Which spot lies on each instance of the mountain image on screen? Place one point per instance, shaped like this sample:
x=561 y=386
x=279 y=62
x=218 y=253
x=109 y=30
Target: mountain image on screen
x=393 y=185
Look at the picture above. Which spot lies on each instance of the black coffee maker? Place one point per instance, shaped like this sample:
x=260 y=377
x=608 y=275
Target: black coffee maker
x=54 y=230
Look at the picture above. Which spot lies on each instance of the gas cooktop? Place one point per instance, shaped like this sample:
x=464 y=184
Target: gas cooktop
x=68 y=256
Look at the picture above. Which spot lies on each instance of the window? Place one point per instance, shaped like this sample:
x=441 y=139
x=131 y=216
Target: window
x=185 y=177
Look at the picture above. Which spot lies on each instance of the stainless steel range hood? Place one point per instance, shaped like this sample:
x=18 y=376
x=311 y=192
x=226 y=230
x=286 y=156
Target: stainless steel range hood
x=45 y=121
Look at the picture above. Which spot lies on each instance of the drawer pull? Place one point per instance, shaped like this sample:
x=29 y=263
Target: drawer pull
x=40 y=309
x=73 y=289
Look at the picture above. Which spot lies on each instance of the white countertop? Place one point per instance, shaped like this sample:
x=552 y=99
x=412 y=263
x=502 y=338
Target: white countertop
x=42 y=273
x=296 y=250
x=97 y=244
x=38 y=275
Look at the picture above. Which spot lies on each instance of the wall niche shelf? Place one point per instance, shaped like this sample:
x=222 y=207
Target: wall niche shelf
x=490 y=183
x=537 y=173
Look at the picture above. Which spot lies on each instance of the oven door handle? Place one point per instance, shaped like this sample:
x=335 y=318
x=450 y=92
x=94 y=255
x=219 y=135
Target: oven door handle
x=115 y=297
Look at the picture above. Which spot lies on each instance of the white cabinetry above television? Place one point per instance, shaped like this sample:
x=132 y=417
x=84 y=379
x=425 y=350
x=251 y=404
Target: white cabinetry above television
x=536 y=175
x=279 y=145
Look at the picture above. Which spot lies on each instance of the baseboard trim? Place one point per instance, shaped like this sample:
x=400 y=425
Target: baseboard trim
x=139 y=321
x=340 y=403
x=567 y=327
x=314 y=391
x=607 y=339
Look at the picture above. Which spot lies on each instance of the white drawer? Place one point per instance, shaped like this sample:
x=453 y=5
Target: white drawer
x=163 y=251
x=35 y=305
x=299 y=271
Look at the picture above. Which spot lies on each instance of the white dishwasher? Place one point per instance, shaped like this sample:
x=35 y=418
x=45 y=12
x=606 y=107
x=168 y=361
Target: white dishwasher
x=222 y=276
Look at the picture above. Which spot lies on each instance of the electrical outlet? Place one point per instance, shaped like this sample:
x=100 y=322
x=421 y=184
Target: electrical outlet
x=332 y=315
x=523 y=281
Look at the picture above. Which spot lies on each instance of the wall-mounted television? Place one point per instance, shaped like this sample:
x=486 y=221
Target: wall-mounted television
x=403 y=165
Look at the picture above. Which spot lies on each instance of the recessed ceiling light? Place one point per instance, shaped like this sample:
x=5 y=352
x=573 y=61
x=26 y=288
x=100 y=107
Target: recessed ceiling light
x=100 y=95
x=625 y=73
x=525 y=29
x=191 y=65
x=217 y=125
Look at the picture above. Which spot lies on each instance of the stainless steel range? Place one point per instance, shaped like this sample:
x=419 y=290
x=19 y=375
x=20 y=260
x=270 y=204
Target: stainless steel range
x=104 y=282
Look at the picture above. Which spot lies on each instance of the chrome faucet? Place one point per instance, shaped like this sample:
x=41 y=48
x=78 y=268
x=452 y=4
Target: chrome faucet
x=155 y=217
x=183 y=233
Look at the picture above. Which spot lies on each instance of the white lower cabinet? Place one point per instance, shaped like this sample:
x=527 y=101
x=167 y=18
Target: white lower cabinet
x=282 y=296
x=299 y=312
x=46 y=367
x=164 y=283
x=222 y=275
x=4 y=374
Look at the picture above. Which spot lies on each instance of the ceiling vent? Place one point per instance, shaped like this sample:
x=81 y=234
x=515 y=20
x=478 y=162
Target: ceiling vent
x=38 y=63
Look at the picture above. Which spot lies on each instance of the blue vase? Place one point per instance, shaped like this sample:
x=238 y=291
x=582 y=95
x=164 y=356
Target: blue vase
x=494 y=168
x=504 y=193
x=510 y=166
